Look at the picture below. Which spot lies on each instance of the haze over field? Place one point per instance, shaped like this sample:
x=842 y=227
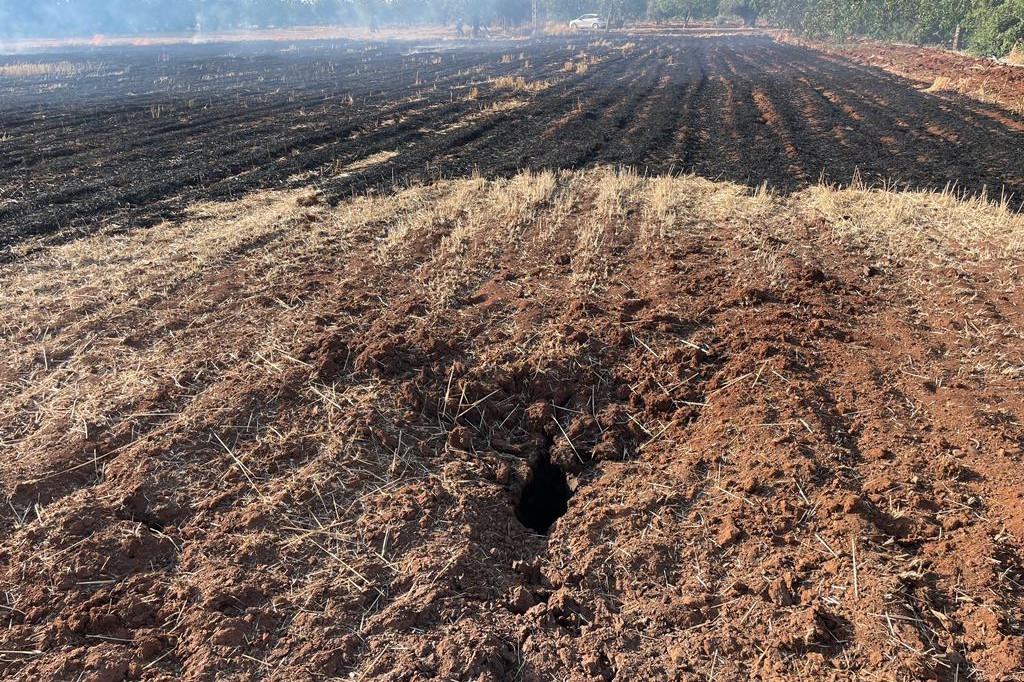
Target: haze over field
x=982 y=26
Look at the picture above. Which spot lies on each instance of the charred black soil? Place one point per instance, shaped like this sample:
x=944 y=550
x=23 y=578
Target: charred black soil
x=127 y=137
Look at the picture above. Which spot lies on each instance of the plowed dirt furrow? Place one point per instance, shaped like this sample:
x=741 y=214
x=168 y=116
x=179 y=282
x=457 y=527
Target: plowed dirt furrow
x=904 y=102
x=671 y=113
x=767 y=149
x=619 y=147
x=709 y=139
x=807 y=145
x=863 y=157
x=901 y=126
x=693 y=115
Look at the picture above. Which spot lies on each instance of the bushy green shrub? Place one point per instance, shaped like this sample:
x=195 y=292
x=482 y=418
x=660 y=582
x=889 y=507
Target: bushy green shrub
x=995 y=26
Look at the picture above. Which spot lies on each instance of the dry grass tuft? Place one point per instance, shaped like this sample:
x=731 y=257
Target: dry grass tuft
x=518 y=83
x=91 y=297
x=941 y=83
x=61 y=69
x=502 y=105
x=908 y=225
x=341 y=170
x=979 y=91
x=1016 y=55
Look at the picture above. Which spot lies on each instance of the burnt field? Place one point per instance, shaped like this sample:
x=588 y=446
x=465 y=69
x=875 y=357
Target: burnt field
x=130 y=136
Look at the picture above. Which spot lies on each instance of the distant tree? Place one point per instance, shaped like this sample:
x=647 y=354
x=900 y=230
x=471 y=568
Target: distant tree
x=747 y=10
x=617 y=11
x=940 y=22
x=568 y=9
x=682 y=9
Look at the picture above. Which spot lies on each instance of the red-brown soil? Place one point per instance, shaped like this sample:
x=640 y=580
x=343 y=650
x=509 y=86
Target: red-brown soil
x=128 y=137
x=286 y=441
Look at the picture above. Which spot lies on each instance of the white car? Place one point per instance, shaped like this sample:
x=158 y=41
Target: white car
x=590 y=21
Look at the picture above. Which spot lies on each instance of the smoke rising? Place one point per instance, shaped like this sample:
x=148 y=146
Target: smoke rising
x=75 y=18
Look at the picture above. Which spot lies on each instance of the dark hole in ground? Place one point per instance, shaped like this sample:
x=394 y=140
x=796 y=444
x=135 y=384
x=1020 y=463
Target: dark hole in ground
x=545 y=496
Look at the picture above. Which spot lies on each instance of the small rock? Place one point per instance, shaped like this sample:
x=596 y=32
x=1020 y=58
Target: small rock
x=781 y=591
x=951 y=523
x=728 y=533
x=148 y=646
x=539 y=414
x=852 y=504
x=503 y=474
x=231 y=632
x=520 y=600
x=460 y=438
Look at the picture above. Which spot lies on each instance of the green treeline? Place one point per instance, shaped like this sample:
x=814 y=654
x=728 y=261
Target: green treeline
x=987 y=27
x=982 y=26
